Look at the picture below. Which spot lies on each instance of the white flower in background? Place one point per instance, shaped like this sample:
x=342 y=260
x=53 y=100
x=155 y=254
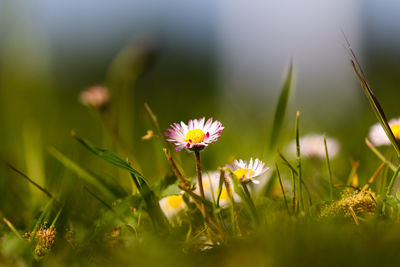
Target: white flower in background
x=247 y=172
x=95 y=96
x=210 y=186
x=196 y=135
x=312 y=146
x=378 y=136
x=172 y=205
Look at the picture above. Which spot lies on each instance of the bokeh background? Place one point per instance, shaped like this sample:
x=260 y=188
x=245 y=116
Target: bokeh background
x=186 y=59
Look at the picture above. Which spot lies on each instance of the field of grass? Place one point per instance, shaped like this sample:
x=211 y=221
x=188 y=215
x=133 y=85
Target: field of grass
x=98 y=183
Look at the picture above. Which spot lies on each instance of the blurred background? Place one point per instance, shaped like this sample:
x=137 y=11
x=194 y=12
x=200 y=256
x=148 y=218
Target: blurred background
x=186 y=59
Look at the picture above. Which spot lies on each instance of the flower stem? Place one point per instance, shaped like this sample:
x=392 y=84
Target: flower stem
x=331 y=188
x=250 y=200
x=200 y=181
x=298 y=157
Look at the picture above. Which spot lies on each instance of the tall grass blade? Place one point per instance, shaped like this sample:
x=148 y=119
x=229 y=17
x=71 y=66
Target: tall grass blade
x=329 y=169
x=109 y=157
x=298 y=158
x=42 y=216
x=283 y=190
x=80 y=172
x=392 y=181
x=380 y=155
x=159 y=220
x=31 y=181
x=373 y=101
x=281 y=107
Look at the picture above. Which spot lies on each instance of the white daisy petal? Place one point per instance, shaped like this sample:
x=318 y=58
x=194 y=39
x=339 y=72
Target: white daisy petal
x=246 y=172
x=377 y=134
x=197 y=135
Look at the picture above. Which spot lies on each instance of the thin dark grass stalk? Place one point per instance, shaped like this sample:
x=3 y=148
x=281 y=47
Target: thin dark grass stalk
x=250 y=201
x=287 y=162
x=292 y=168
x=45 y=191
x=294 y=199
x=374 y=103
x=308 y=193
x=200 y=180
x=177 y=172
x=283 y=190
x=380 y=155
x=99 y=199
x=298 y=158
x=331 y=188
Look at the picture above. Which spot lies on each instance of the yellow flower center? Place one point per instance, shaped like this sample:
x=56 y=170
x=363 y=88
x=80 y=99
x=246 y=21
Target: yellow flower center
x=175 y=201
x=195 y=135
x=396 y=130
x=239 y=173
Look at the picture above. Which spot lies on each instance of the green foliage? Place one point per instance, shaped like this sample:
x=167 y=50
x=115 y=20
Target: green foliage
x=281 y=107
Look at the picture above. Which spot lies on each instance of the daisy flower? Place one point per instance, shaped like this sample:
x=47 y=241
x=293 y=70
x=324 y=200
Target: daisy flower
x=196 y=135
x=210 y=185
x=312 y=146
x=247 y=172
x=172 y=205
x=378 y=136
x=95 y=96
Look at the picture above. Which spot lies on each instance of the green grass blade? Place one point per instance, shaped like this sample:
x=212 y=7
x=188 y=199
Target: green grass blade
x=329 y=169
x=80 y=172
x=153 y=207
x=281 y=107
x=109 y=156
x=298 y=158
x=44 y=190
x=391 y=183
x=380 y=155
x=283 y=190
x=373 y=101
x=39 y=221
x=220 y=185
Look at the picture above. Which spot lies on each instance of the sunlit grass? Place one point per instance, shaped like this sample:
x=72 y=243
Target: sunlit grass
x=106 y=205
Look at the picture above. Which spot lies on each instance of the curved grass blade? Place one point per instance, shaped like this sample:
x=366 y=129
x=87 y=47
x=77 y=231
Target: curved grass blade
x=154 y=210
x=280 y=110
x=109 y=156
x=373 y=101
x=80 y=172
